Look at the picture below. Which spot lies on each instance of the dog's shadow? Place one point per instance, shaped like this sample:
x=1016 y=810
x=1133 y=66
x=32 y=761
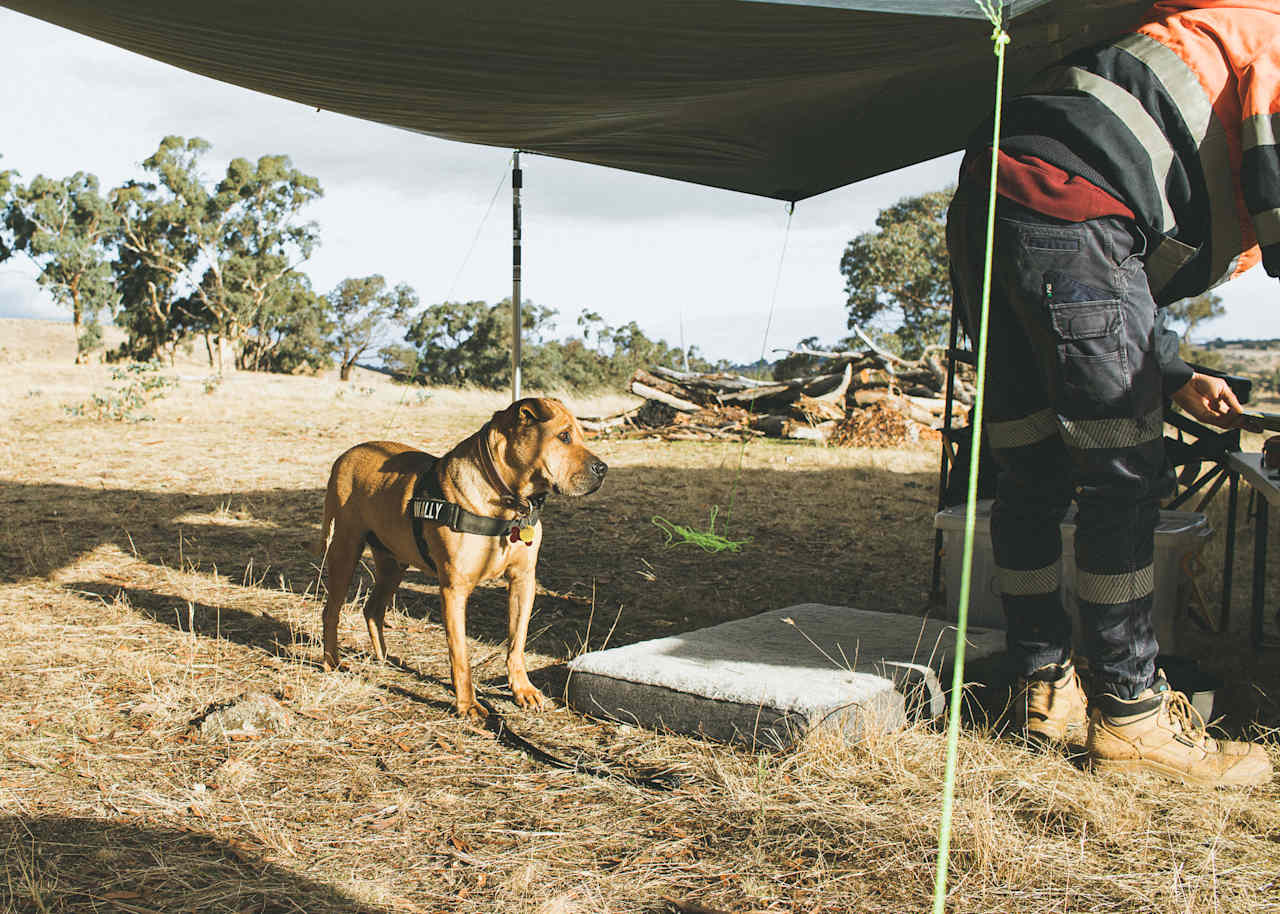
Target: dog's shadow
x=263 y=632
x=260 y=631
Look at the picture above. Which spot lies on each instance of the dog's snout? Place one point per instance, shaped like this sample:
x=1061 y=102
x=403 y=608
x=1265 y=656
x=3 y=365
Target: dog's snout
x=599 y=468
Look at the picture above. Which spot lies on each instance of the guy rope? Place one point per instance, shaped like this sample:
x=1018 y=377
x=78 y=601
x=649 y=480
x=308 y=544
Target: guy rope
x=999 y=38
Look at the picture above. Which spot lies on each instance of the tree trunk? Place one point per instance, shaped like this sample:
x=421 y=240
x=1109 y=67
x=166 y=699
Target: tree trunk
x=344 y=374
x=208 y=347
x=81 y=357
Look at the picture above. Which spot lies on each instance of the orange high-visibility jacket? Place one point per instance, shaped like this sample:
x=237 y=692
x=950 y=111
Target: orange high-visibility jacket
x=1179 y=119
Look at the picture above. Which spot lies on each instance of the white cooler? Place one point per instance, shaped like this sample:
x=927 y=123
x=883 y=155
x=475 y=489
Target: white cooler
x=1179 y=533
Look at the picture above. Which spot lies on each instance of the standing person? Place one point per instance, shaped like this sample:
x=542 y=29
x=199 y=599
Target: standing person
x=1131 y=175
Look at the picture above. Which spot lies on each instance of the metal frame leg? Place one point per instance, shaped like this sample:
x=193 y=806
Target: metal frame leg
x=1260 y=520
x=944 y=463
x=1229 y=553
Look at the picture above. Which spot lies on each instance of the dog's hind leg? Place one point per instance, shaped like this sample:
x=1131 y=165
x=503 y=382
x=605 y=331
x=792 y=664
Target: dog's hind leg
x=340 y=561
x=387 y=574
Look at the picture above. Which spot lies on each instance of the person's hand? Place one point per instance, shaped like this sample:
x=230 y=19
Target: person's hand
x=1210 y=400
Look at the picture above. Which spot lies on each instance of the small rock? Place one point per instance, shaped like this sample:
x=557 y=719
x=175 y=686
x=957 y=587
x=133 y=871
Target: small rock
x=251 y=715
x=234 y=774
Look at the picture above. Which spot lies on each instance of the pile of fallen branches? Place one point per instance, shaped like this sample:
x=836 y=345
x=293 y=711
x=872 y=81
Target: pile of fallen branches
x=867 y=398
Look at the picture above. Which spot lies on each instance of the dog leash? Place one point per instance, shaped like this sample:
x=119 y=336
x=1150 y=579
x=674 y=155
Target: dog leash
x=496 y=724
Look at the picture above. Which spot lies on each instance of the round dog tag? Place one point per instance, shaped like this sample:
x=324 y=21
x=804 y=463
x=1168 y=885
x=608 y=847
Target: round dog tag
x=526 y=535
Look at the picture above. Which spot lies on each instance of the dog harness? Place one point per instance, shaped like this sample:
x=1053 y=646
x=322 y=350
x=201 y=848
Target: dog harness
x=429 y=506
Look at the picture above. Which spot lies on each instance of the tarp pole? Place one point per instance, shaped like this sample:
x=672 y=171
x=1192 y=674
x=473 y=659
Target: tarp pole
x=516 y=322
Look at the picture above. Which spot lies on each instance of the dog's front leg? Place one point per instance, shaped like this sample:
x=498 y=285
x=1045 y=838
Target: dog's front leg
x=454 y=595
x=521 y=584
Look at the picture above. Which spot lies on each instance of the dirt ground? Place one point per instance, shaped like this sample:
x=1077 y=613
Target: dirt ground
x=168 y=742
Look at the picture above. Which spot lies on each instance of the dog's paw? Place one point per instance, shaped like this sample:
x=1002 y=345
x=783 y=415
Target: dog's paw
x=474 y=712
x=530 y=698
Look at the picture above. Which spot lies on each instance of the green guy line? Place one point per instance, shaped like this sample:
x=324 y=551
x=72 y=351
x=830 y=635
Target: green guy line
x=999 y=38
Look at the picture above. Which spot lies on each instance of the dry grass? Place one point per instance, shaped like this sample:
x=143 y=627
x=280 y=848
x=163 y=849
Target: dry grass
x=156 y=580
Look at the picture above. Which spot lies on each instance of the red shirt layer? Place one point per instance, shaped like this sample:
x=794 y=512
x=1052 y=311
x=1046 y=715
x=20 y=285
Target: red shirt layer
x=1047 y=189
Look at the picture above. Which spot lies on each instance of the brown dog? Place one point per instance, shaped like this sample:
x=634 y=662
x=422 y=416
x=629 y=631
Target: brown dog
x=503 y=471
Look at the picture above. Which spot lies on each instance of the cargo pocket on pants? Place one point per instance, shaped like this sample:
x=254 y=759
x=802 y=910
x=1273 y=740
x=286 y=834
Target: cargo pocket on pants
x=1092 y=362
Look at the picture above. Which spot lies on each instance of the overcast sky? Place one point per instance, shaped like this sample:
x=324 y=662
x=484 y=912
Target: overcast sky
x=408 y=206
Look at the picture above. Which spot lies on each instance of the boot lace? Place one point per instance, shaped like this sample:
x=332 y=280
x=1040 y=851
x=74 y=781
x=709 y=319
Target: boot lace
x=1078 y=681
x=1183 y=714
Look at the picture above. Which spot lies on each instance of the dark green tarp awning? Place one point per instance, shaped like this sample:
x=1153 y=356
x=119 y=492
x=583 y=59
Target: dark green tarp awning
x=782 y=99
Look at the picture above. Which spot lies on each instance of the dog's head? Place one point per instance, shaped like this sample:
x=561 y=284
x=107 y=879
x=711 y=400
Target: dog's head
x=545 y=441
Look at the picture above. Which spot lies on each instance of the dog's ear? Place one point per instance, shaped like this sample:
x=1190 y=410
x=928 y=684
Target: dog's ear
x=530 y=410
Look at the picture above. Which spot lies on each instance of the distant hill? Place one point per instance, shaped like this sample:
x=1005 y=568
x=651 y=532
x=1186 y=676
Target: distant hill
x=1251 y=345
x=27 y=339
x=1258 y=360
x=24 y=339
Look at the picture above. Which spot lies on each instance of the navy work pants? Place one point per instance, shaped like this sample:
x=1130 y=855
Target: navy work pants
x=1074 y=410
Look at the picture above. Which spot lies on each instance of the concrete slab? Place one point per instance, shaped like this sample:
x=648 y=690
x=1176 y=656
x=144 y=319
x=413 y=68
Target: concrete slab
x=771 y=678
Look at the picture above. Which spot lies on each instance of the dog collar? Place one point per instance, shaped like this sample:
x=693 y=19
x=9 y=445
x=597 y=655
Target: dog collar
x=489 y=467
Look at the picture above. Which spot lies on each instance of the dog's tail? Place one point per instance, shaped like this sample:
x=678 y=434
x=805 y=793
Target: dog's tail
x=321 y=548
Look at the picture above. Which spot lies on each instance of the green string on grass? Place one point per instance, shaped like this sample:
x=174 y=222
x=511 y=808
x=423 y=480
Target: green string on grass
x=999 y=38
x=706 y=540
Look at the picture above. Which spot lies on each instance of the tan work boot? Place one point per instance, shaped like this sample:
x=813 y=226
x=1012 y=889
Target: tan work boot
x=1049 y=705
x=1160 y=732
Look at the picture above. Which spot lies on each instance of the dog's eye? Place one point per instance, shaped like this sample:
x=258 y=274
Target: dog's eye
x=565 y=436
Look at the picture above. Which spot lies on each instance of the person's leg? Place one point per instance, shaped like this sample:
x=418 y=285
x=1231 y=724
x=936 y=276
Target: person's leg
x=1107 y=395
x=1109 y=404
x=1076 y=410
x=1080 y=298
x=1033 y=489
x=1033 y=495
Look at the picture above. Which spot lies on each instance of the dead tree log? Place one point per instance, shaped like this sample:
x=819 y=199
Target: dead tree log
x=652 y=393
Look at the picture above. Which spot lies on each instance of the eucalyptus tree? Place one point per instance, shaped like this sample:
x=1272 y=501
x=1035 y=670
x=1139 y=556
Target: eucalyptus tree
x=67 y=229
x=251 y=274
x=364 y=311
x=6 y=236
x=293 y=334
x=214 y=259
x=158 y=248
x=898 y=274
x=1191 y=312
x=470 y=342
